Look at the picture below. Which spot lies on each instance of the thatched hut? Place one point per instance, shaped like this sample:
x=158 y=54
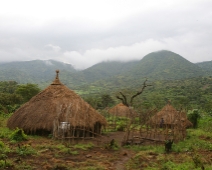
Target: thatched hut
x=121 y=110
x=56 y=104
x=169 y=117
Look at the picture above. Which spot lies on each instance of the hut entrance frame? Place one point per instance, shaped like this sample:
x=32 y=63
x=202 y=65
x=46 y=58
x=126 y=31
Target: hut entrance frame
x=65 y=130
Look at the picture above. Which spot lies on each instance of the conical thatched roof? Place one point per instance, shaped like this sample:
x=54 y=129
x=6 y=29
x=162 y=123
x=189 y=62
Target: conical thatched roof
x=55 y=103
x=170 y=116
x=122 y=111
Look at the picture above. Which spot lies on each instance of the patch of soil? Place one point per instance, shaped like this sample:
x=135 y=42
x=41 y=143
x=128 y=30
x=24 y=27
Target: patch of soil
x=55 y=154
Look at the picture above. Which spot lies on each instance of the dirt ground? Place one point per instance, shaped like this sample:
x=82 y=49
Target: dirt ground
x=51 y=155
x=61 y=155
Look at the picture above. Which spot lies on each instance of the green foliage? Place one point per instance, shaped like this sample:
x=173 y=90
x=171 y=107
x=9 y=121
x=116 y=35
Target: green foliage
x=8 y=100
x=194 y=116
x=100 y=102
x=121 y=123
x=18 y=135
x=36 y=71
x=206 y=66
x=24 y=166
x=4 y=148
x=106 y=101
x=27 y=91
x=68 y=150
x=188 y=91
x=197 y=161
x=93 y=101
x=193 y=142
x=8 y=86
x=112 y=145
x=205 y=123
x=5 y=164
x=83 y=146
x=169 y=165
x=24 y=150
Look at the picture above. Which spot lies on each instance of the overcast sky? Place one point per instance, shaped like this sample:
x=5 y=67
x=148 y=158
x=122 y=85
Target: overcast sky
x=85 y=32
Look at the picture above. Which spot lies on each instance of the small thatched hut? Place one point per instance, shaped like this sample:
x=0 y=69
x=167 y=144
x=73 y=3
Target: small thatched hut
x=121 y=110
x=56 y=104
x=169 y=116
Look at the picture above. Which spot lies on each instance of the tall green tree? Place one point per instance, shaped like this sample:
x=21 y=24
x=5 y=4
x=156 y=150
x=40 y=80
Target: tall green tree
x=8 y=86
x=93 y=101
x=27 y=91
x=194 y=117
x=106 y=101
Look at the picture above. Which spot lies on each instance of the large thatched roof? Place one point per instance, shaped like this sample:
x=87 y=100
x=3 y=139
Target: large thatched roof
x=55 y=103
x=122 y=111
x=170 y=116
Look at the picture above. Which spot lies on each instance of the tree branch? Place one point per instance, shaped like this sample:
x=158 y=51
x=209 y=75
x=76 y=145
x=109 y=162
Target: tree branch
x=139 y=92
x=123 y=99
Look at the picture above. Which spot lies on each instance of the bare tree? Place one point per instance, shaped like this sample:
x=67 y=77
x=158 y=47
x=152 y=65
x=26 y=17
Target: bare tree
x=123 y=98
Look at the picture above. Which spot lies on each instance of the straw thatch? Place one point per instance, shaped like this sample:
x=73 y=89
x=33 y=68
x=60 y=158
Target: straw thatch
x=170 y=117
x=122 y=111
x=55 y=103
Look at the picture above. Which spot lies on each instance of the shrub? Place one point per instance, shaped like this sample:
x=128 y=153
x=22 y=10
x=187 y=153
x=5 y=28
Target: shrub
x=194 y=117
x=4 y=148
x=83 y=146
x=18 y=135
x=25 y=150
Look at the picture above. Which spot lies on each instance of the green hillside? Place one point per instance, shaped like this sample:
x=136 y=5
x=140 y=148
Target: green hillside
x=36 y=71
x=161 y=65
x=106 y=70
x=164 y=65
x=207 y=66
x=106 y=76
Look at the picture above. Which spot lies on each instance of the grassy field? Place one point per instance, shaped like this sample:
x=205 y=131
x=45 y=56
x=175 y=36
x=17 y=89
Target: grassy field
x=24 y=152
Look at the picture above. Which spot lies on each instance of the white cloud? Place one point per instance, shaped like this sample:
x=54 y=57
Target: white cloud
x=122 y=53
x=84 y=32
x=54 y=47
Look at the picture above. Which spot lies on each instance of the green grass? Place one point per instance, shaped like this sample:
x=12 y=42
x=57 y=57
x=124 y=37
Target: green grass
x=185 y=155
x=25 y=150
x=83 y=146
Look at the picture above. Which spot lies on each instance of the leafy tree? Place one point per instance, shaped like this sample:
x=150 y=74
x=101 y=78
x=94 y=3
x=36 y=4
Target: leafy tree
x=93 y=101
x=8 y=86
x=106 y=101
x=27 y=91
x=194 y=116
x=10 y=99
x=100 y=102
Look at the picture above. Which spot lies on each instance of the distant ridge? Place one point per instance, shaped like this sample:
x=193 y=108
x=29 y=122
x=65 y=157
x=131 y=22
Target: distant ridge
x=160 y=65
x=35 y=71
x=164 y=64
x=207 y=66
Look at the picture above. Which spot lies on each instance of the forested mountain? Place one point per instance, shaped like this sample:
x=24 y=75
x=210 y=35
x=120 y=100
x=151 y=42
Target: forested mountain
x=207 y=66
x=161 y=65
x=106 y=70
x=165 y=65
x=36 y=71
x=97 y=73
x=171 y=76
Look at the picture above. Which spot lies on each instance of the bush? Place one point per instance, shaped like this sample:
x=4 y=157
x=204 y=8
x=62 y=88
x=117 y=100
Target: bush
x=24 y=150
x=18 y=135
x=194 y=116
